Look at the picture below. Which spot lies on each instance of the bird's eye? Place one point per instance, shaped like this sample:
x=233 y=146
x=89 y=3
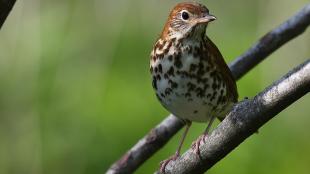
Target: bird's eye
x=185 y=15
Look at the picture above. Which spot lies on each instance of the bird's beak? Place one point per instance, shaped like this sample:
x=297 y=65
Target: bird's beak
x=206 y=19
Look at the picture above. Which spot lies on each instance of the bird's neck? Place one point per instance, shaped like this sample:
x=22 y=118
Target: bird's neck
x=195 y=33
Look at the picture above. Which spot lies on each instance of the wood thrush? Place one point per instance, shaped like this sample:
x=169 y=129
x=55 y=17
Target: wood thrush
x=189 y=74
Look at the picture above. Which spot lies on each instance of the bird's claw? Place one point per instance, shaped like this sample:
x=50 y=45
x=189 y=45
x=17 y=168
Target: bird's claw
x=164 y=163
x=196 y=144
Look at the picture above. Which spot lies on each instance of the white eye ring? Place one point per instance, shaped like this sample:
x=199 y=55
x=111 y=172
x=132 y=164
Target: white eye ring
x=185 y=15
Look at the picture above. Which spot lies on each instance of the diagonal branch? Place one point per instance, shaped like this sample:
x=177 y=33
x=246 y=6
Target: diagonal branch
x=271 y=41
x=245 y=118
x=5 y=8
x=161 y=134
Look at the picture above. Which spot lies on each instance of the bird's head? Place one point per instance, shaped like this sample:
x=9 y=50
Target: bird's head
x=187 y=19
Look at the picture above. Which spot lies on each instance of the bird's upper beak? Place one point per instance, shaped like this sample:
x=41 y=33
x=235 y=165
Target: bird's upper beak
x=206 y=19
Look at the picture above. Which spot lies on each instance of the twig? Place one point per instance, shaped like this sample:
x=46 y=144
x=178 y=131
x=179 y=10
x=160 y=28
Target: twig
x=270 y=42
x=146 y=147
x=245 y=118
x=5 y=8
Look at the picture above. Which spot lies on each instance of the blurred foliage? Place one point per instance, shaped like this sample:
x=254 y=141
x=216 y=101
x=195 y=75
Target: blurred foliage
x=75 y=89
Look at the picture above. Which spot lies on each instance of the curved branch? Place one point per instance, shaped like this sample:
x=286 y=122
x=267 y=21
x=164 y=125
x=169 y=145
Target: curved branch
x=244 y=119
x=5 y=8
x=161 y=134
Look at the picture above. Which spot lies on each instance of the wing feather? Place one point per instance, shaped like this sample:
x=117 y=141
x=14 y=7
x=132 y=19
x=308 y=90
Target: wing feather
x=226 y=73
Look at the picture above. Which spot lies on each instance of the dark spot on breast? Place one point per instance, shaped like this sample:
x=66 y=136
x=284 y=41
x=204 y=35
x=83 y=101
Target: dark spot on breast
x=168 y=46
x=173 y=84
x=213 y=73
x=204 y=81
x=154 y=83
x=200 y=71
x=154 y=58
x=191 y=86
x=160 y=56
x=160 y=68
x=213 y=96
x=195 y=112
x=183 y=74
x=206 y=86
x=214 y=107
x=214 y=86
x=170 y=58
x=166 y=51
x=151 y=69
x=156 y=69
x=163 y=95
x=192 y=67
x=199 y=92
x=179 y=42
x=166 y=76
x=168 y=91
x=177 y=61
x=159 y=46
x=158 y=77
x=171 y=71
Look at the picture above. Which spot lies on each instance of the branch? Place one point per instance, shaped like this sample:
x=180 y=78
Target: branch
x=5 y=8
x=270 y=42
x=245 y=118
x=161 y=134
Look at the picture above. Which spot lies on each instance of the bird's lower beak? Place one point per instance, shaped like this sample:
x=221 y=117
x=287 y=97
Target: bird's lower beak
x=206 y=19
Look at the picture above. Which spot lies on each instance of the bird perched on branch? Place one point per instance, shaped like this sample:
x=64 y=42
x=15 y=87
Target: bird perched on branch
x=189 y=74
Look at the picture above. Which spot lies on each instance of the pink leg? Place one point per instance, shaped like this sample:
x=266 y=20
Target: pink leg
x=164 y=163
x=196 y=144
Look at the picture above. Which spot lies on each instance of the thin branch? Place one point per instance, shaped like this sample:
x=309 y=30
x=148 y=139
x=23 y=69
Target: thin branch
x=245 y=118
x=161 y=134
x=270 y=42
x=5 y=8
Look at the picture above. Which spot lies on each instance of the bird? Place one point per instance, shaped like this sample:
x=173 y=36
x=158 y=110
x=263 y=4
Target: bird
x=189 y=74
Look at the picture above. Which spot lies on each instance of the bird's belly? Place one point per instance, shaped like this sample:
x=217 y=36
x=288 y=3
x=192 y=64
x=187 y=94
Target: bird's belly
x=191 y=110
x=186 y=102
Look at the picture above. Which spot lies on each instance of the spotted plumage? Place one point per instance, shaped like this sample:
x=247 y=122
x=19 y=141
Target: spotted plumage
x=190 y=76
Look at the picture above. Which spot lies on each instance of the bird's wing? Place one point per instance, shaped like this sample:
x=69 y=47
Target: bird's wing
x=226 y=73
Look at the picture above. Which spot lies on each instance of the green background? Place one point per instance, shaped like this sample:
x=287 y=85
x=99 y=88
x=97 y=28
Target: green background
x=75 y=89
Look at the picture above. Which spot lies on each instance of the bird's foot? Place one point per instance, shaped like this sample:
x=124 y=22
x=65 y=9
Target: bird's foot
x=196 y=144
x=164 y=163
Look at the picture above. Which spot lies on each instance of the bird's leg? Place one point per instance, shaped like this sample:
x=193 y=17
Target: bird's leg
x=164 y=163
x=196 y=144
